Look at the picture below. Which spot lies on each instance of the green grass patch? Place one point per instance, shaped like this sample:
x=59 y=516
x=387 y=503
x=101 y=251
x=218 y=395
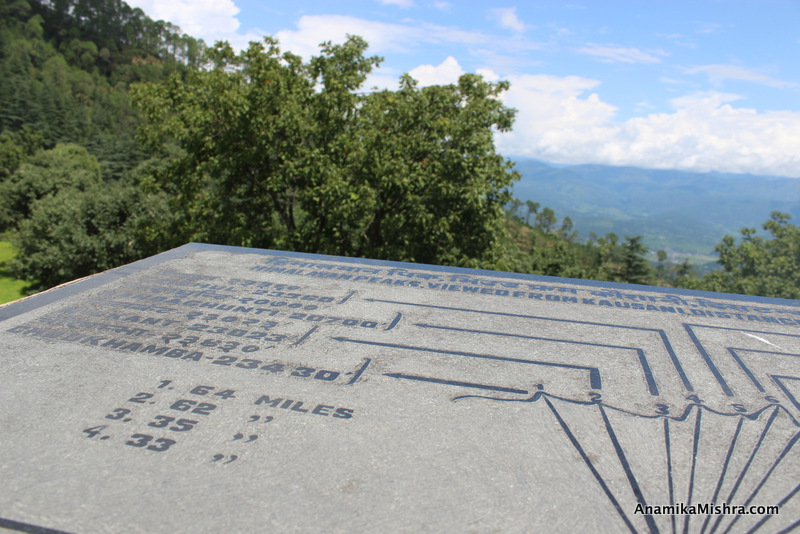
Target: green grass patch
x=10 y=288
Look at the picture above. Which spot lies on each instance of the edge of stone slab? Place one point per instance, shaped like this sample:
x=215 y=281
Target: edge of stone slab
x=54 y=294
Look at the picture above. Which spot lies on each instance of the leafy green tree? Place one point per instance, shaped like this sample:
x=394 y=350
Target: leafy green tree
x=46 y=173
x=566 y=231
x=635 y=267
x=757 y=265
x=604 y=257
x=285 y=154
x=556 y=256
x=545 y=220
x=663 y=269
x=11 y=156
x=433 y=183
x=685 y=270
x=75 y=233
x=513 y=208
x=532 y=250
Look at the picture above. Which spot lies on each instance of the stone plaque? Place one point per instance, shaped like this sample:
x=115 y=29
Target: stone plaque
x=218 y=389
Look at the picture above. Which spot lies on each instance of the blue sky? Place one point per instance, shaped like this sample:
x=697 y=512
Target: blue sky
x=695 y=85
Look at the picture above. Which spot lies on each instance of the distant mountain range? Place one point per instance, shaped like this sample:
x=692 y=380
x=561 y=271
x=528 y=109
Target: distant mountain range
x=684 y=213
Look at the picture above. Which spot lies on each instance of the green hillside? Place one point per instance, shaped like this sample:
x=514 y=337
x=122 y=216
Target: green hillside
x=683 y=213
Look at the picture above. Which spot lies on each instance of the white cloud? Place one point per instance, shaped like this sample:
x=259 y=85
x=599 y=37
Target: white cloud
x=707 y=28
x=398 y=3
x=488 y=74
x=210 y=20
x=553 y=123
x=382 y=79
x=214 y=20
x=679 y=39
x=314 y=29
x=443 y=6
x=612 y=53
x=445 y=73
x=717 y=74
x=703 y=99
x=674 y=81
x=381 y=36
x=559 y=31
x=558 y=122
x=507 y=18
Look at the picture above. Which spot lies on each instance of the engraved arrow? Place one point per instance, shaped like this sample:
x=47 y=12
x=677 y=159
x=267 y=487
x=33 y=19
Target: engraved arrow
x=456 y=383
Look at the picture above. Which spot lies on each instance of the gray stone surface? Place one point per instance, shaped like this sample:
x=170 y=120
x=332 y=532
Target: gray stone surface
x=215 y=389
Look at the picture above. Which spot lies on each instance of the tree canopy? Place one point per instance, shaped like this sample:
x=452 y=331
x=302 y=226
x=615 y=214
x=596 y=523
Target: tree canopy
x=757 y=265
x=278 y=153
x=69 y=223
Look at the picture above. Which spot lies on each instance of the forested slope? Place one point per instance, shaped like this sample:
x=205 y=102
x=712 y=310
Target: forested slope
x=70 y=164
x=685 y=213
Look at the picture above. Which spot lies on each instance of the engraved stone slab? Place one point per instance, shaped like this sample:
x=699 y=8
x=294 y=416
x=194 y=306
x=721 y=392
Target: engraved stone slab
x=219 y=389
